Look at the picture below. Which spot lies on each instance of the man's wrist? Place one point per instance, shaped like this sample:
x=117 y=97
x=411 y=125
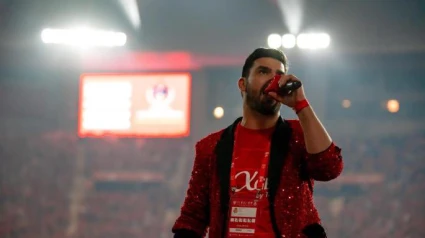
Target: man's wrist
x=300 y=105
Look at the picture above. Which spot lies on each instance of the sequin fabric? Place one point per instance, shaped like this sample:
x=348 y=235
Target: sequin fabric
x=294 y=208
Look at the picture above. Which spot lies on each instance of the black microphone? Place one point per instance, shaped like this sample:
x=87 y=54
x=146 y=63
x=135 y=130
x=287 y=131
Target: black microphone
x=289 y=87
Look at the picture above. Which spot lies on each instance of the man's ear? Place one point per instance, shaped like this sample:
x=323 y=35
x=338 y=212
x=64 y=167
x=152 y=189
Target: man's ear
x=242 y=84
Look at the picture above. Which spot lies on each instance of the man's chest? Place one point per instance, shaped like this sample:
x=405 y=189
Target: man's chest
x=247 y=166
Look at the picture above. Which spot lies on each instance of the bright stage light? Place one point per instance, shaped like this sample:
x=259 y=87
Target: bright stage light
x=218 y=112
x=289 y=41
x=303 y=41
x=393 y=106
x=274 y=41
x=346 y=103
x=313 y=41
x=83 y=37
x=131 y=9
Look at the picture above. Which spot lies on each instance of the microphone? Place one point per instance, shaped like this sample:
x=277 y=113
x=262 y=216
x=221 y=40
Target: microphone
x=290 y=86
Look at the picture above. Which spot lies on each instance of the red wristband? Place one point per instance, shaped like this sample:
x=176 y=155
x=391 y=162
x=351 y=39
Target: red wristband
x=300 y=105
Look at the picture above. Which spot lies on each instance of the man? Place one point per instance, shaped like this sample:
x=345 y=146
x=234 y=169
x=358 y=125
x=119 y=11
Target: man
x=255 y=178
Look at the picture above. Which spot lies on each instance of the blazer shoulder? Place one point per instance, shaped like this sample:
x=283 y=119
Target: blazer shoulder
x=208 y=143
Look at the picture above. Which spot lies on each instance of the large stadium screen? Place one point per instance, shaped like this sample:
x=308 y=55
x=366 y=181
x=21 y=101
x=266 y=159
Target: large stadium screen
x=134 y=105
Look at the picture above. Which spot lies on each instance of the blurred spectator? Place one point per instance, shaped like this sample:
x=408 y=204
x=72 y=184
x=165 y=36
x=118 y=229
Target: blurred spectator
x=38 y=174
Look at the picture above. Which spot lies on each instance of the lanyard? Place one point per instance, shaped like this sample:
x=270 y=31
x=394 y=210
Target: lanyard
x=262 y=172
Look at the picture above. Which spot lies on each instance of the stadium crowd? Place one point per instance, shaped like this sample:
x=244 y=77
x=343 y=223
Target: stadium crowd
x=38 y=181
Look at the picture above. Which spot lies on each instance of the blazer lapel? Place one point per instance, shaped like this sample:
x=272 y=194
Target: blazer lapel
x=278 y=151
x=224 y=152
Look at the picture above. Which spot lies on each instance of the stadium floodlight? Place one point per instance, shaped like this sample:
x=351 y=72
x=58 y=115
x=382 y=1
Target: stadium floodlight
x=83 y=37
x=393 y=106
x=218 y=112
x=274 y=41
x=313 y=41
x=288 y=41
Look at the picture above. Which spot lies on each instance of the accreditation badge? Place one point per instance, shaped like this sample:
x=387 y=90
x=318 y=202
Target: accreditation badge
x=242 y=215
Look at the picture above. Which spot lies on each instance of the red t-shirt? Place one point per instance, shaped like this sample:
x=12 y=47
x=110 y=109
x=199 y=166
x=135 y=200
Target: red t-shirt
x=250 y=148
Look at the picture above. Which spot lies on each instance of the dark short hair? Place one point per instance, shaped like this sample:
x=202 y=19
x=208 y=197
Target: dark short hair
x=260 y=53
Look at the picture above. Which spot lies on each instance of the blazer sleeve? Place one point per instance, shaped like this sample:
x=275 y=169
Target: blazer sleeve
x=323 y=166
x=194 y=216
x=326 y=165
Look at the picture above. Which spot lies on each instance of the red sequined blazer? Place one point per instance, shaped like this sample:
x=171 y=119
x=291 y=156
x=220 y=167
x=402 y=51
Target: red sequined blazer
x=290 y=183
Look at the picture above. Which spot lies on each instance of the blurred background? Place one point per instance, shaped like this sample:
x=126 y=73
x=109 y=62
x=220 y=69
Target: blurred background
x=102 y=101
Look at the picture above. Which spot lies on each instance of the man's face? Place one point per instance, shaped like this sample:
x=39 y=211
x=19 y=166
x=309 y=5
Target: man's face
x=261 y=74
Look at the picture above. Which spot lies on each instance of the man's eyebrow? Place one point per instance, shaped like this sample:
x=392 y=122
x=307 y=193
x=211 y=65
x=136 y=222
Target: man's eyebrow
x=280 y=72
x=264 y=68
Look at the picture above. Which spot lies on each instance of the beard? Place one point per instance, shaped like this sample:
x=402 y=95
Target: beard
x=260 y=102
